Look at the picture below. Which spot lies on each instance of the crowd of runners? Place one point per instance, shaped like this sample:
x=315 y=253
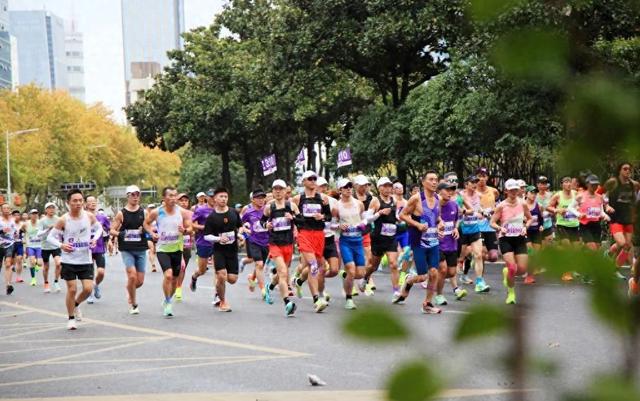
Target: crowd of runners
x=444 y=230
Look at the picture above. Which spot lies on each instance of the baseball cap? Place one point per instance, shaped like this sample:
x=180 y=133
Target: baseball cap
x=49 y=204
x=361 y=180
x=384 y=181
x=322 y=181
x=238 y=206
x=593 y=179
x=279 y=183
x=543 y=180
x=565 y=179
x=445 y=185
x=199 y=194
x=151 y=205
x=131 y=189
x=258 y=193
x=308 y=174
x=182 y=195
x=531 y=188
x=210 y=192
x=471 y=178
x=511 y=184
x=521 y=183
x=33 y=211
x=343 y=182
x=450 y=176
x=482 y=170
x=397 y=184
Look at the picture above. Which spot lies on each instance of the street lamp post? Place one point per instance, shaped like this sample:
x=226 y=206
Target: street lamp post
x=7 y=136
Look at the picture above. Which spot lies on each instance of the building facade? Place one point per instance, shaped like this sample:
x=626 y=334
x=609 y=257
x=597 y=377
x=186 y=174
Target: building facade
x=5 y=46
x=74 y=51
x=150 y=28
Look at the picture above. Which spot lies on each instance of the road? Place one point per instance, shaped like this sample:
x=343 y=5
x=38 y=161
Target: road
x=255 y=353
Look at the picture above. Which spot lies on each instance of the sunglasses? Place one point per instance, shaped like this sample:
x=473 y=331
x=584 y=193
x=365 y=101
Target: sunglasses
x=348 y=186
x=312 y=179
x=135 y=194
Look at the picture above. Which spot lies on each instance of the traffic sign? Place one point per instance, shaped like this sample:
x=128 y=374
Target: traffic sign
x=83 y=186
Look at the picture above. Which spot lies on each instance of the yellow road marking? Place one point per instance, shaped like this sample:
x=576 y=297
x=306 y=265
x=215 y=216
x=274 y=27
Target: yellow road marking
x=30 y=332
x=73 y=344
x=162 y=333
x=78 y=340
x=105 y=361
x=12 y=314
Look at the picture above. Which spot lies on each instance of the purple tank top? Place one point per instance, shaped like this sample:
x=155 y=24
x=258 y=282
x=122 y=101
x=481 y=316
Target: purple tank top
x=449 y=215
x=429 y=238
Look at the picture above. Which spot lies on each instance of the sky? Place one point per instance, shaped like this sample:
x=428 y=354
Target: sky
x=101 y=24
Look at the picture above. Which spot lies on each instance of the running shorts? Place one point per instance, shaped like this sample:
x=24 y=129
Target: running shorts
x=135 y=259
x=257 y=252
x=403 y=239
x=101 y=262
x=47 y=253
x=620 y=228
x=366 y=240
x=380 y=246
x=186 y=256
x=490 y=240
x=567 y=233
x=330 y=248
x=547 y=232
x=6 y=252
x=283 y=251
x=426 y=258
x=468 y=239
x=18 y=249
x=170 y=260
x=81 y=272
x=226 y=259
x=451 y=257
x=517 y=245
x=535 y=237
x=352 y=250
x=204 y=251
x=311 y=241
x=591 y=232
x=34 y=253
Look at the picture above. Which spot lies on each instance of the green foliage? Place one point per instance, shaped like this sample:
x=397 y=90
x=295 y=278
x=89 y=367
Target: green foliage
x=414 y=381
x=608 y=388
x=376 y=324
x=487 y=10
x=482 y=320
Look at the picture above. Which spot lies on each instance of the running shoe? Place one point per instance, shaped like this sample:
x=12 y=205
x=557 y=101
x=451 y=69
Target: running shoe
x=134 y=310
x=511 y=296
x=403 y=277
x=320 y=305
x=354 y=291
x=38 y=268
x=350 y=304
x=153 y=268
x=19 y=280
x=96 y=292
x=194 y=284
x=266 y=295
x=397 y=298
x=634 y=288
x=91 y=299
x=224 y=307
x=342 y=273
x=71 y=324
x=372 y=283
x=252 y=283
x=620 y=275
x=481 y=286
x=369 y=289
x=430 y=309
x=465 y=279
x=56 y=286
x=167 y=309
x=178 y=294
x=216 y=301
x=294 y=283
x=440 y=300
x=460 y=293
x=567 y=276
x=47 y=288
x=290 y=294
x=290 y=308
x=326 y=295
x=529 y=280
x=33 y=282
x=77 y=313
x=505 y=277
x=9 y=289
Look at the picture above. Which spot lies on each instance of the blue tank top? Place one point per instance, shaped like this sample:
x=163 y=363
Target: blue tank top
x=429 y=238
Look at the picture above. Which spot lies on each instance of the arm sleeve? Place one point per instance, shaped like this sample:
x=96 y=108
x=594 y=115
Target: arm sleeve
x=211 y=238
x=55 y=237
x=96 y=230
x=326 y=210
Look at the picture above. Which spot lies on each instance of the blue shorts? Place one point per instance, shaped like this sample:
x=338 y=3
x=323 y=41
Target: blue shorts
x=18 y=249
x=204 y=251
x=352 y=250
x=403 y=239
x=34 y=253
x=137 y=259
x=426 y=258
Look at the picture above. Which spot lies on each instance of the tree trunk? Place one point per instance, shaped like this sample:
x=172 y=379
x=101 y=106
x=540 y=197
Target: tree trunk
x=311 y=163
x=226 y=172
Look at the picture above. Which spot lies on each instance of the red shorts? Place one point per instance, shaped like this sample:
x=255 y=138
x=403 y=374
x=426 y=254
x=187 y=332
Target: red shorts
x=311 y=241
x=621 y=228
x=281 y=251
x=366 y=240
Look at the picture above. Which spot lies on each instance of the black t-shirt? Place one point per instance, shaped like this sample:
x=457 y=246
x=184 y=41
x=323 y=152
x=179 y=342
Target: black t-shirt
x=621 y=199
x=226 y=224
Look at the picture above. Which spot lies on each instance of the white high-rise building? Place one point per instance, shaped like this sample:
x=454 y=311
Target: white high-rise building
x=74 y=51
x=5 y=46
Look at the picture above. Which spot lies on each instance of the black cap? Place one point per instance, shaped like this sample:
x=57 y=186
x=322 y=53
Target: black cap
x=257 y=193
x=543 y=180
x=592 y=179
x=482 y=170
x=450 y=174
x=472 y=178
x=211 y=192
x=446 y=185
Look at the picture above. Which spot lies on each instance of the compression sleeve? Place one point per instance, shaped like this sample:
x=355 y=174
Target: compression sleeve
x=55 y=237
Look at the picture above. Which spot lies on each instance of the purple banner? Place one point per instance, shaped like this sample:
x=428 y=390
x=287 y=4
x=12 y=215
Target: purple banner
x=269 y=165
x=344 y=157
x=300 y=159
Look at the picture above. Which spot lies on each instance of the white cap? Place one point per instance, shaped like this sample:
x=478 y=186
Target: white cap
x=511 y=184
x=132 y=188
x=321 y=181
x=49 y=204
x=384 y=181
x=398 y=185
x=279 y=183
x=342 y=182
x=361 y=180
x=199 y=194
x=521 y=183
x=309 y=173
x=32 y=211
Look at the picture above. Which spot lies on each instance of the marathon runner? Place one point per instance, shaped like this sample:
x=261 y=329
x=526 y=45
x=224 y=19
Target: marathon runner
x=511 y=219
x=76 y=232
x=363 y=194
x=471 y=236
x=422 y=215
x=278 y=219
x=183 y=202
x=563 y=206
x=404 y=260
x=98 y=251
x=634 y=280
x=257 y=243
x=330 y=254
x=8 y=229
x=488 y=199
x=18 y=246
x=45 y=224
x=173 y=223
x=534 y=231
x=34 y=245
x=221 y=230
x=543 y=199
x=201 y=200
x=151 y=242
x=590 y=206
x=128 y=230
x=204 y=248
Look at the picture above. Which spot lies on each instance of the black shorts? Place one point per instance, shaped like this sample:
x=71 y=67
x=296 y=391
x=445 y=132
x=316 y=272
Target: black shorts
x=257 y=252
x=101 y=262
x=517 y=245
x=568 y=233
x=468 y=239
x=186 y=255
x=330 y=248
x=535 y=237
x=591 y=232
x=451 y=257
x=490 y=240
x=547 y=232
x=225 y=259
x=47 y=253
x=170 y=260
x=72 y=272
x=381 y=245
x=6 y=252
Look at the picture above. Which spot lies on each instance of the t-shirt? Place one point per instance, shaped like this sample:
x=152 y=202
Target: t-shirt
x=45 y=224
x=223 y=224
x=259 y=235
x=106 y=226
x=200 y=217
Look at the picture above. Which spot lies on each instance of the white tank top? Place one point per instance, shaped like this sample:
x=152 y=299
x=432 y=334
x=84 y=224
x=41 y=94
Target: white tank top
x=350 y=214
x=7 y=238
x=77 y=232
x=170 y=238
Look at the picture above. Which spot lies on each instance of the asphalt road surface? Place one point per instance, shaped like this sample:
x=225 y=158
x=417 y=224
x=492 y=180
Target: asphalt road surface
x=255 y=353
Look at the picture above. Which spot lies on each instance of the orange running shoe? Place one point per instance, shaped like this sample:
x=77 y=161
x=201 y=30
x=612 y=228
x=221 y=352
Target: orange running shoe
x=224 y=307
x=47 y=287
x=567 y=276
x=634 y=288
x=529 y=279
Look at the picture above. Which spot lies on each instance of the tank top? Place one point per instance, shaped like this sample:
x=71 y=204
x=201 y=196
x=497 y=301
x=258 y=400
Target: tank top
x=488 y=204
x=77 y=232
x=567 y=219
x=537 y=217
x=33 y=240
x=512 y=218
x=471 y=222
x=366 y=202
x=8 y=230
x=349 y=214
x=328 y=231
x=590 y=208
x=543 y=201
x=19 y=237
x=131 y=237
x=281 y=227
x=449 y=214
x=258 y=235
x=186 y=239
x=621 y=200
x=169 y=236
x=308 y=208
x=429 y=216
x=385 y=226
x=402 y=225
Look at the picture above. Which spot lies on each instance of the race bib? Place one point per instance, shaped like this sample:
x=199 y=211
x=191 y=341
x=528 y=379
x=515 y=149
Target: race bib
x=257 y=227
x=470 y=220
x=133 y=235
x=430 y=237
x=281 y=224
x=78 y=245
x=171 y=236
x=187 y=241
x=311 y=209
x=388 y=229
x=351 y=231
x=593 y=213
x=231 y=236
x=570 y=216
x=513 y=230
x=448 y=228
